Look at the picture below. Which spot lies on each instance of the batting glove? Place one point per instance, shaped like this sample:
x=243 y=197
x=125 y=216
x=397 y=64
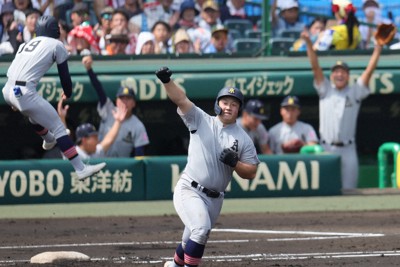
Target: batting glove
x=229 y=157
x=164 y=74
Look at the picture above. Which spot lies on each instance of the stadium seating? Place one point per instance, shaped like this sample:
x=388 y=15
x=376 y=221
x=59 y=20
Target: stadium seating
x=280 y=46
x=240 y=25
x=251 y=45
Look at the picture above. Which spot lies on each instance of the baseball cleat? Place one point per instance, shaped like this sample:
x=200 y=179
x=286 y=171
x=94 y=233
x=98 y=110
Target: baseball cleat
x=89 y=170
x=167 y=264
x=48 y=146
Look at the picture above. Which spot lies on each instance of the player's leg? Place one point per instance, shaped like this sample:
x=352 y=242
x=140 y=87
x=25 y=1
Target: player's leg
x=49 y=141
x=44 y=114
x=349 y=167
x=191 y=206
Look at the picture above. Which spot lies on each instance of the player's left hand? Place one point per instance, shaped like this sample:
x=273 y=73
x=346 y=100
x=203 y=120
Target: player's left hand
x=229 y=157
x=164 y=74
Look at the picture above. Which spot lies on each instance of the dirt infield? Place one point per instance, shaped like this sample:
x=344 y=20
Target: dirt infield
x=368 y=238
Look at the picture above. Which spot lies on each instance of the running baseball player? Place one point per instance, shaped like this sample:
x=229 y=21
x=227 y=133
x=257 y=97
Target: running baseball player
x=289 y=135
x=251 y=121
x=218 y=146
x=132 y=136
x=339 y=105
x=31 y=62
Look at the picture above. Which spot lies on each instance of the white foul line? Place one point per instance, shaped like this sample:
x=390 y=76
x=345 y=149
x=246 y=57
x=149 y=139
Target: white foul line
x=249 y=231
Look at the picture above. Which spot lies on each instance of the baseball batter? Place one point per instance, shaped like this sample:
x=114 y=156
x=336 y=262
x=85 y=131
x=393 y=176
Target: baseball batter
x=339 y=105
x=289 y=135
x=31 y=62
x=218 y=146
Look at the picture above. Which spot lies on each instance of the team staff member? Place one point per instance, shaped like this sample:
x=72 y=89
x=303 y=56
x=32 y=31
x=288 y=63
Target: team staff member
x=253 y=114
x=88 y=145
x=289 y=135
x=31 y=62
x=339 y=105
x=217 y=147
x=132 y=136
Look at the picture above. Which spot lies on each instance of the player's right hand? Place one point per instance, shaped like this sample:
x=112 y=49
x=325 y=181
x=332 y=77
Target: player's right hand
x=164 y=74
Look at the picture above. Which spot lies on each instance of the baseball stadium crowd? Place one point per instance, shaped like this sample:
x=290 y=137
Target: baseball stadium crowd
x=136 y=27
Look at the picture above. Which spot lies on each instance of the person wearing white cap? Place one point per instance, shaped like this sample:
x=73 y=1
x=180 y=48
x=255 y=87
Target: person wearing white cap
x=145 y=44
x=286 y=18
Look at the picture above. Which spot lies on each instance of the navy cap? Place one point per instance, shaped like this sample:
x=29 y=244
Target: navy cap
x=126 y=91
x=256 y=108
x=291 y=101
x=340 y=64
x=85 y=130
x=188 y=4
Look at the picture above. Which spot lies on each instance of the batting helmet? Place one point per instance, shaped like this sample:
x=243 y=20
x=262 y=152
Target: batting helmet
x=228 y=91
x=47 y=26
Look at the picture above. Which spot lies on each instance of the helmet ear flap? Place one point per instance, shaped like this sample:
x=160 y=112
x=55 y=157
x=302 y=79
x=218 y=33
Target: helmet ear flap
x=217 y=108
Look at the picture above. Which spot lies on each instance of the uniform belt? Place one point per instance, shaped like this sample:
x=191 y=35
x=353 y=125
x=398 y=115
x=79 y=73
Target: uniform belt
x=340 y=143
x=20 y=83
x=208 y=192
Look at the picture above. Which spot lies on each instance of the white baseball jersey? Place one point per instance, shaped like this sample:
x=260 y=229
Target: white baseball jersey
x=338 y=117
x=339 y=110
x=31 y=62
x=259 y=136
x=131 y=134
x=207 y=140
x=283 y=132
x=35 y=58
x=99 y=153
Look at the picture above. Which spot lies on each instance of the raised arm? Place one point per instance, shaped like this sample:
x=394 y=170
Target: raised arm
x=174 y=92
x=119 y=115
x=98 y=87
x=373 y=61
x=312 y=56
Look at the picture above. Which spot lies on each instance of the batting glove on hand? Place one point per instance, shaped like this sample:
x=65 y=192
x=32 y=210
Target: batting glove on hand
x=229 y=157
x=164 y=74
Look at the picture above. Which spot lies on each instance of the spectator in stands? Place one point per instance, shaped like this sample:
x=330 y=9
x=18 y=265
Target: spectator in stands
x=289 y=135
x=251 y=121
x=162 y=33
x=344 y=35
x=317 y=26
x=21 y=6
x=145 y=44
x=9 y=29
x=219 y=41
x=373 y=15
x=88 y=144
x=79 y=15
x=132 y=7
x=188 y=14
x=182 y=43
x=286 y=17
x=32 y=15
x=154 y=11
x=120 y=20
x=104 y=26
x=60 y=8
x=132 y=137
x=83 y=41
x=116 y=42
x=235 y=9
x=64 y=30
x=210 y=17
x=46 y=7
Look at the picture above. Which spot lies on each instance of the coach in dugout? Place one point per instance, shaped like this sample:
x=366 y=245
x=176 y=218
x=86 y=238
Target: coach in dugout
x=339 y=105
